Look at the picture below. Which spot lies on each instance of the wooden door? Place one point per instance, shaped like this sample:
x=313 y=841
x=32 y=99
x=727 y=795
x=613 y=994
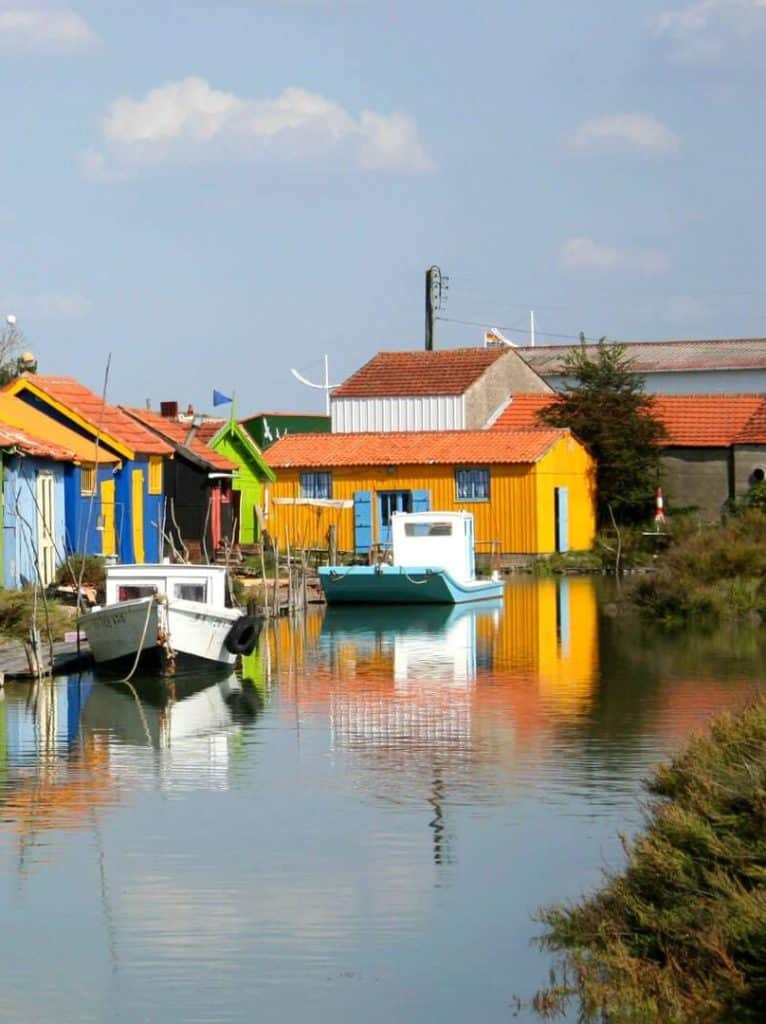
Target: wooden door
x=388 y=503
x=46 y=525
x=137 y=514
x=108 y=540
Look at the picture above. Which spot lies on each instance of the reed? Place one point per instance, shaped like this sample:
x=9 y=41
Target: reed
x=679 y=935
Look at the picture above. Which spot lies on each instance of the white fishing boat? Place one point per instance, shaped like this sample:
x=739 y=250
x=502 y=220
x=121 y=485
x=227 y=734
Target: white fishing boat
x=431 y=561
x=168 y=610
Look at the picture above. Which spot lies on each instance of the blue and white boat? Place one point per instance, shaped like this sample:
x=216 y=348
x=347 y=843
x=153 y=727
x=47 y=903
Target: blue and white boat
x=431 y=561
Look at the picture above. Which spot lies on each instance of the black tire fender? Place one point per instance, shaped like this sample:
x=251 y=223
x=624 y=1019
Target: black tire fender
x=243 y=635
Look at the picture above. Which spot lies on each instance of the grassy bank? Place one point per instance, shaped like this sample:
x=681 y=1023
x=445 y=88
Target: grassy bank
x=712 y=573
x=18 y=611
x=679 y=935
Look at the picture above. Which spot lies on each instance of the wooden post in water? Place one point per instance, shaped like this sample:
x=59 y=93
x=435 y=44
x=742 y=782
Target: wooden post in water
x=263 y=582
x=332 y=544
x=275 y=606
x=289 y=575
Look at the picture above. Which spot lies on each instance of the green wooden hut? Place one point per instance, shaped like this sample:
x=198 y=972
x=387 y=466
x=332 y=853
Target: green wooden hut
x=251 y=476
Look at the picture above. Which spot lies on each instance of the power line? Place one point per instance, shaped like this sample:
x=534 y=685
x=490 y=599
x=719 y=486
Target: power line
x=515 y=330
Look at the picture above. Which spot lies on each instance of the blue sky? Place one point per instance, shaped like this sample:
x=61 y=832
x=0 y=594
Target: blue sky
x=220 y=192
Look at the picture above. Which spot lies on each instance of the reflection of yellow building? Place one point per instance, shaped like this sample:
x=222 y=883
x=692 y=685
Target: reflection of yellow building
x=550 y=629
x=537 y=655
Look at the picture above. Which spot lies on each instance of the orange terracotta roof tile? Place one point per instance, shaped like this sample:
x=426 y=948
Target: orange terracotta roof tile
x=15 y=413
x=399 y=374
x=705 y=421
x=450 y=447
x=207 y=430
x=102 y=417
x=754 y=431
x=521 y=412
x=179 y=434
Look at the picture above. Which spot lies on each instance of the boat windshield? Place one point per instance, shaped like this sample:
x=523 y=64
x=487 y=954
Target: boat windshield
x=428 y=529
x=131 y=593
x=190 y=592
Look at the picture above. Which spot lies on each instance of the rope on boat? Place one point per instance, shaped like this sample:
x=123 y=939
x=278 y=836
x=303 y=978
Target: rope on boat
x=129 y=676
x=419 y=583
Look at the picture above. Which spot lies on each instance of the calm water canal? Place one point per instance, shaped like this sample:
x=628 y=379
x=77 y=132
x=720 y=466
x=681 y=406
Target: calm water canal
x=360 y=832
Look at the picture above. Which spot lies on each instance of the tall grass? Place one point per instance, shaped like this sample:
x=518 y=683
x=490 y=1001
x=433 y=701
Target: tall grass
x=712 y=572
x=678 y=936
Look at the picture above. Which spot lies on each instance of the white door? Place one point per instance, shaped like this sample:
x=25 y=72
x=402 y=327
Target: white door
x=46 y=545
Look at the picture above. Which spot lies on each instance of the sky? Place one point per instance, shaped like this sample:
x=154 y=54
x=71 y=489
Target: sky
x=215 y=193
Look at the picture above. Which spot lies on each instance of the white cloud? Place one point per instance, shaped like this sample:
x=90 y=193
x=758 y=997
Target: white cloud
x=46 y=306
x=701 y=31
x=624 y=132
x=583 y=255
x=47 y=30
x=189 y=121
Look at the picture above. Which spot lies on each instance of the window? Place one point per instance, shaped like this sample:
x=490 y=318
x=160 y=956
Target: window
x=316 y=485
x=472 y=484
x=128 y=593
x=155 y=474
x=88 y=479
x=190 y=592
x=428 y=529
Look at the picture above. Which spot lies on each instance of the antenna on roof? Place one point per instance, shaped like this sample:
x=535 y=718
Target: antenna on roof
x=326 y=386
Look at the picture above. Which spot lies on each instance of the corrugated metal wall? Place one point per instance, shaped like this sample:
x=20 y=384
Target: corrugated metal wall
x=364 y=415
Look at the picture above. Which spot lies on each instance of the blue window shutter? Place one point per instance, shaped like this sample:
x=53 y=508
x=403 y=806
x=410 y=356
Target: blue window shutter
x=562 y=519
x=421 y=501
x=362 y=522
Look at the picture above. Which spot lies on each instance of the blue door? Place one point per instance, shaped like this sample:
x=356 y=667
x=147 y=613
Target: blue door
x=561 y=502
x=362 y=522
x=388 y=502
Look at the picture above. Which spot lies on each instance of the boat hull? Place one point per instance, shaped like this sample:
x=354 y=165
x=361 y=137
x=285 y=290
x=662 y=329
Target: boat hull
x=117 y=632
x=391 y=584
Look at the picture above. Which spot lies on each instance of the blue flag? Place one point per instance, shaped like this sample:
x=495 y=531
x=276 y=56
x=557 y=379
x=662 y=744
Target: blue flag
x=219 y=398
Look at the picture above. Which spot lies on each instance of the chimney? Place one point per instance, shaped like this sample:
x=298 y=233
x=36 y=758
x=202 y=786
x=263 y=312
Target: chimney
x=169 y=410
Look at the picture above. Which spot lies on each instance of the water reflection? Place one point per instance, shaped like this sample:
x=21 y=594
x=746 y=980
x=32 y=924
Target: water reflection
x=359 y=825
x=73 y=746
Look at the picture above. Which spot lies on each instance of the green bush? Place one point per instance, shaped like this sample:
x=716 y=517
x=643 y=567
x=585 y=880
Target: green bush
x=679 y=936
x=91 y=566
x=19 y=608
x=714 y=571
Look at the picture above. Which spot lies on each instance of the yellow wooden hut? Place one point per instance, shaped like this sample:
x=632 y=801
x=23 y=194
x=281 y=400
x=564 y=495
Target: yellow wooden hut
x=530 y=491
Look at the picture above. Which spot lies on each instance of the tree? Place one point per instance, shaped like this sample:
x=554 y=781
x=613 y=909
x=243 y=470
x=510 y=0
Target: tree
x=604 y=404
x=11 y=344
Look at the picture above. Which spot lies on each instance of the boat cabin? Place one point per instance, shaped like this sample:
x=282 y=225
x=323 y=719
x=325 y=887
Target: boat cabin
x=205 y=584
x=441 y=540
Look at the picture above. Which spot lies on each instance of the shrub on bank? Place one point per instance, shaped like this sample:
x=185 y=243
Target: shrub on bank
x=711 y=571
x=679 y=935
x=18 y=611
x=91 y=566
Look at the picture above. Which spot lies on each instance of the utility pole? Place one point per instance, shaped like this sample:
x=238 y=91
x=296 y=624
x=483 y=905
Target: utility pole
x=437 y=285
x=532 y=328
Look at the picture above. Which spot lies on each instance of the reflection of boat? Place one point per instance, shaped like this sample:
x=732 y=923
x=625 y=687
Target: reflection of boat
x=432 y=643
x=168 y=609
x=343 y=621
x=164 y=718
x=432 y=562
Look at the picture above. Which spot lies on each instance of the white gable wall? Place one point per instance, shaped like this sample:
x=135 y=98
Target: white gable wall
x=374 y=415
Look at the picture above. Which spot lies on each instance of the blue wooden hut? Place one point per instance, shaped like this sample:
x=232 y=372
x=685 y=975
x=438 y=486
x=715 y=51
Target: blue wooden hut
x=115 y=503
